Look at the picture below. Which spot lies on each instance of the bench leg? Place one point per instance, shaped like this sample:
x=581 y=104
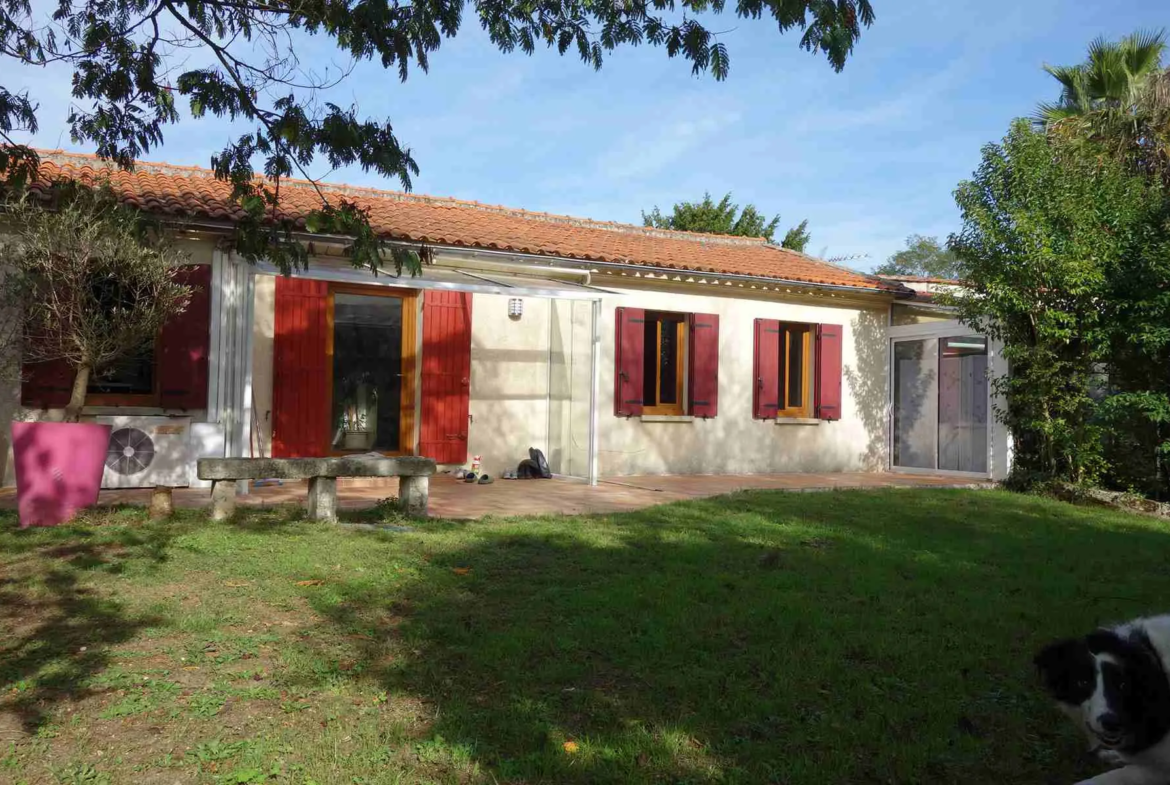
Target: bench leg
x=223 y=499
x=162 y=503
x=323 y=499
x=414 y=495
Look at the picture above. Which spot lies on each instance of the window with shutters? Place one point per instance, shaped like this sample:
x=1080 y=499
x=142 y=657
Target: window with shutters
x=786 y=374
x=171 y=374
x=664 y=363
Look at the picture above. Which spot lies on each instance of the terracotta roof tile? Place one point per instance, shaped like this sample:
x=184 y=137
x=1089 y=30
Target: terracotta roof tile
x=193 y=192
x=909 y=279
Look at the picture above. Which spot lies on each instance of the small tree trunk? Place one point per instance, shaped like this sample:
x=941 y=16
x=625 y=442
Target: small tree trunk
x=77 y=397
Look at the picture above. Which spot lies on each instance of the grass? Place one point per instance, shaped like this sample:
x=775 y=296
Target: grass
x=854 y=637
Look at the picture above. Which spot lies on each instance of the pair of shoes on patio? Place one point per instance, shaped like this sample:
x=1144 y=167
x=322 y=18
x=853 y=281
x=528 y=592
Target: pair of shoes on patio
x=475 y=478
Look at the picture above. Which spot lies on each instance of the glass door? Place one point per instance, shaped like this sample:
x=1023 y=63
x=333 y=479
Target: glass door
x=915 y=409
x=941 y=404
x=368 y=376
x=963 y=404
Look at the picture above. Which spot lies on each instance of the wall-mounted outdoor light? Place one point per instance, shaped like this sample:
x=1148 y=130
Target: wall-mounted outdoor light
x=515 y=308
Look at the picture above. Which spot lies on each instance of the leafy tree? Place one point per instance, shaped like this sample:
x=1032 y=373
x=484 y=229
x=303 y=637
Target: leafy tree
x=797 y=238
x=134 y=61
x=1065 y=256
x=725 y=217
x=1116 y=106
x=93 y=282
x=923 y=256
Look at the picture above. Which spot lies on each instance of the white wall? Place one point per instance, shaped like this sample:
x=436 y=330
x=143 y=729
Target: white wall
x=734 y=442
x=530 y=381
x=509 y=381
x=570 y=386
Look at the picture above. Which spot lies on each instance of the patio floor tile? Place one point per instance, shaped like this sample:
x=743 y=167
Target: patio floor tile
x=451 y=498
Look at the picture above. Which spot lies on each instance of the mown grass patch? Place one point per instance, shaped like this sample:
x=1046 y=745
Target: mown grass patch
x=862 y=637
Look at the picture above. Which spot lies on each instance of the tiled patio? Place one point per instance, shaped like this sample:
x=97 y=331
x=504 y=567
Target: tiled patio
x=453 y=499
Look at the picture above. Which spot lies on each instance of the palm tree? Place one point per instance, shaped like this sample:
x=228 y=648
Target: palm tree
x=1111 y=83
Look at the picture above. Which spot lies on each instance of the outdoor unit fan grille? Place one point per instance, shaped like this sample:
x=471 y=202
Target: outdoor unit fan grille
x=131 y=451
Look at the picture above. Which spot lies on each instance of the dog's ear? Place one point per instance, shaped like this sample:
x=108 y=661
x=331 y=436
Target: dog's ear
x=1056 y=660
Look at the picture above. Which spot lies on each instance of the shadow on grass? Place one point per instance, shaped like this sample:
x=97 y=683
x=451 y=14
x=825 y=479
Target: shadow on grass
x=58 y=630
x=280 y=517
x=277 y=519
x=760 y=638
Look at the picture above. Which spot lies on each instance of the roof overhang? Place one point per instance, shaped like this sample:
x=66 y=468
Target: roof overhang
x=330 y=263
x=549 y=285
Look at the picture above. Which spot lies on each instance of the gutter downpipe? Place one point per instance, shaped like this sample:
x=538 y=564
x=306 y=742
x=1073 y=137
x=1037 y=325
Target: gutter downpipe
x=594 y=392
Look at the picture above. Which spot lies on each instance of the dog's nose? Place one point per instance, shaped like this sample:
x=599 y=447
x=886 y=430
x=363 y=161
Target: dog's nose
x=1110 y=723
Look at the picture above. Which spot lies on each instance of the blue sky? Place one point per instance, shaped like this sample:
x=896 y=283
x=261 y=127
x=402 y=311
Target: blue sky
x=869 y=156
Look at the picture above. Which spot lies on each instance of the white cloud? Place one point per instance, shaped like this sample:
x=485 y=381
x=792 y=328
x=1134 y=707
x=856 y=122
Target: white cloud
x=912 y=100
x=646 y=151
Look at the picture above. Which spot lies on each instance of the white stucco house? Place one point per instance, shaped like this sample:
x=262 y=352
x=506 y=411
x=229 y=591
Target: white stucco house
x=615 y=349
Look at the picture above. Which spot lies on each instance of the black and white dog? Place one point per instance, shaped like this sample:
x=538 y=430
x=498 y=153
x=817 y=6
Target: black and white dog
x=1113 y=684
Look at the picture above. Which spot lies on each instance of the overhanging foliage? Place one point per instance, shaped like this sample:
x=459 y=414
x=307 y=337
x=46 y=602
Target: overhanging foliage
x=134 y=61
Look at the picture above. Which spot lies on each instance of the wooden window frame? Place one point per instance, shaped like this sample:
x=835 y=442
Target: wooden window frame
x=787 y=331
x=152 y=399
x=407 y=432
x=679 y=407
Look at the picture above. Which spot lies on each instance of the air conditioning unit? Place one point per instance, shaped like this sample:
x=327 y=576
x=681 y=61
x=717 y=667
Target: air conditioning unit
x=147 y=451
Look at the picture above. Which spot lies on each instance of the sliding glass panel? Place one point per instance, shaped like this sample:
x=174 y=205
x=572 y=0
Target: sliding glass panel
x=367 y=372
x=915 y=403
x=963 y=404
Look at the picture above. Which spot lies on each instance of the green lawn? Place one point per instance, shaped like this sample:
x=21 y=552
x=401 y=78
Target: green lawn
x=859 y=637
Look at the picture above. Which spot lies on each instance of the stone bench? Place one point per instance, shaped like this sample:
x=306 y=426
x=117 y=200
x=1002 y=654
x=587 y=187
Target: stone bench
x=413 y=479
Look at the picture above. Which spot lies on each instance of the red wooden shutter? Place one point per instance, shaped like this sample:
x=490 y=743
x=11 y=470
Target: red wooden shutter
x=300 y=372
x=704 y=365
x=184 y=345
x=828 y=371
x=629 y=358
x=46 y=385
x=766 y=385
x=446 y=375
